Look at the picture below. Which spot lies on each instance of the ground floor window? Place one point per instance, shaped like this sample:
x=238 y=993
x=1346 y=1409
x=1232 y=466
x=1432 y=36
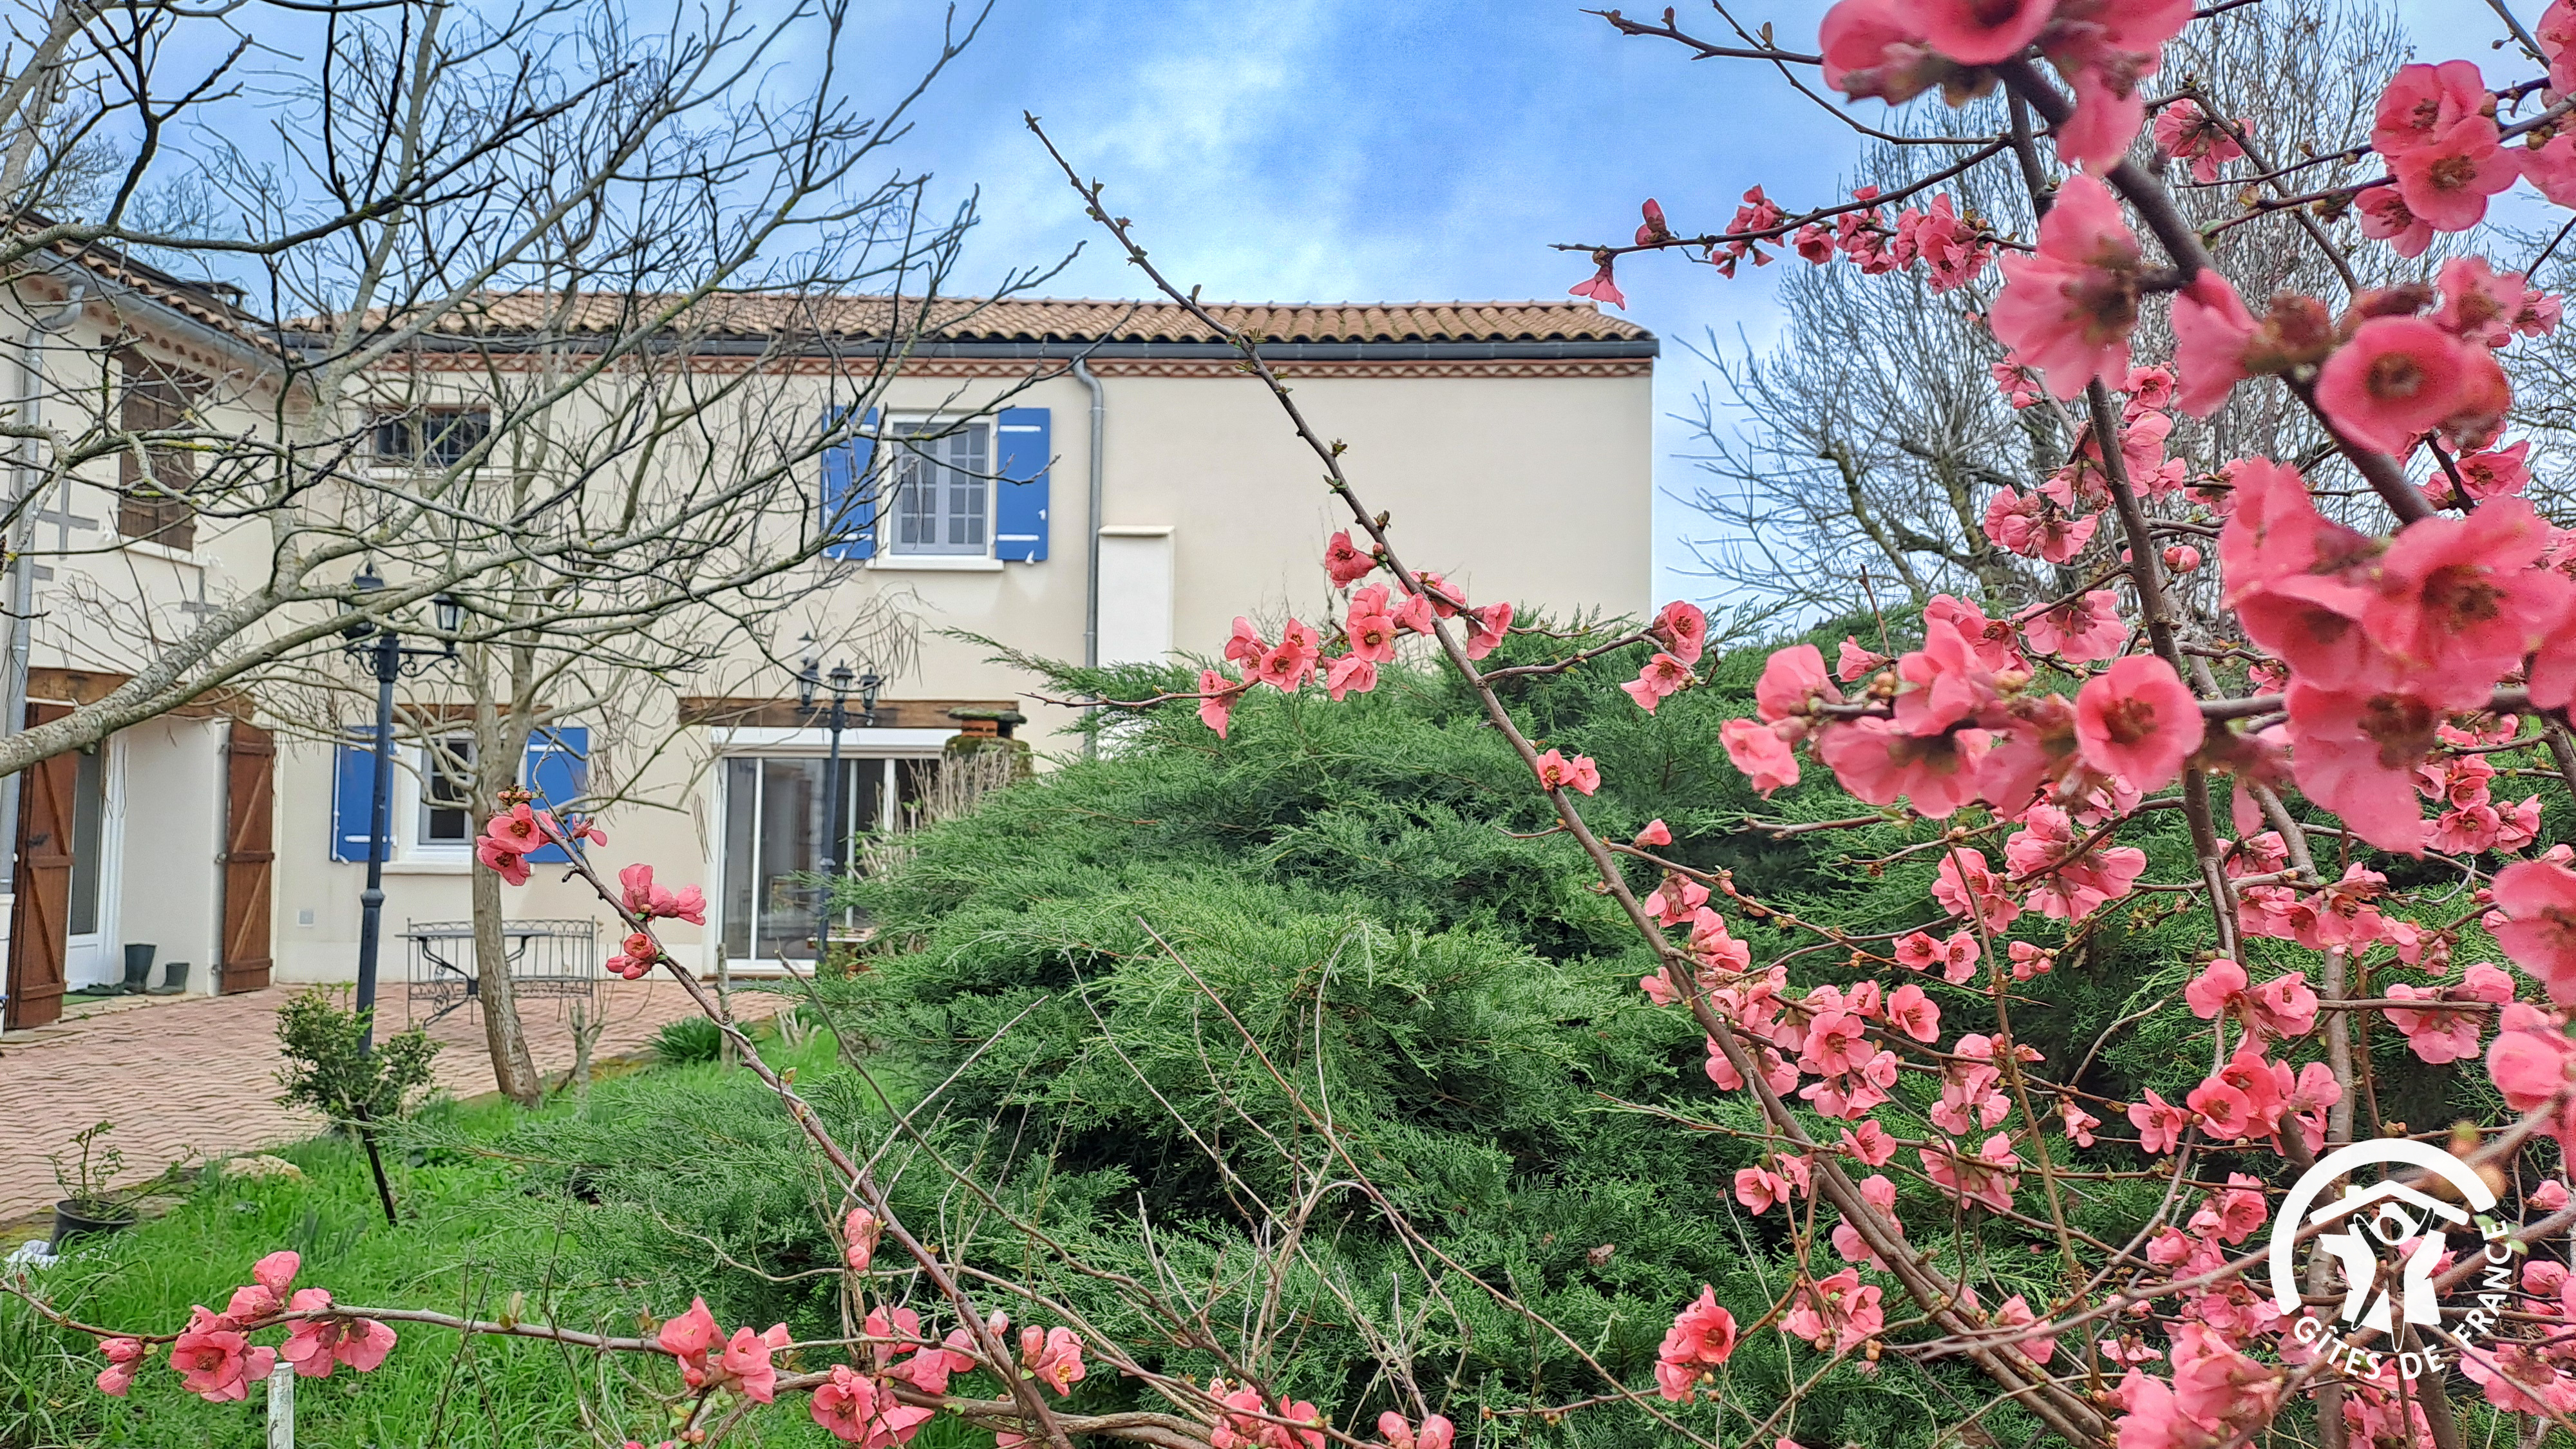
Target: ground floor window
x=779 y=829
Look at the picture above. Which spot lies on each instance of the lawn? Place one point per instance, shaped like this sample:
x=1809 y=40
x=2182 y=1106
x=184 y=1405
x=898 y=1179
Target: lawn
x=486 y=1218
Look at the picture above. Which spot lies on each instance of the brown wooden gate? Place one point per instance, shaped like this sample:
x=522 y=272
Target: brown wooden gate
x=250 y=794
x=39 y=938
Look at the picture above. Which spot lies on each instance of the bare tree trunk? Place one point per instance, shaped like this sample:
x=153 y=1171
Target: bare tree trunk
x=498 y=747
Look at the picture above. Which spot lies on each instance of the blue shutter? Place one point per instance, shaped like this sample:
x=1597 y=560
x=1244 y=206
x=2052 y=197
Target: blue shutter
x=353 y=797
x=849 y=490
x=1020 y=510
x=556 y=772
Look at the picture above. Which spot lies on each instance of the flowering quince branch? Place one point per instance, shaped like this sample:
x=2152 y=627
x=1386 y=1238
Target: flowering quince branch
x=2065 y=1410
x=2379 y=671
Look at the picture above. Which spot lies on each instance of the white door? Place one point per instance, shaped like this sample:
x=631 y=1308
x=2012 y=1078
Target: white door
x=91 y=957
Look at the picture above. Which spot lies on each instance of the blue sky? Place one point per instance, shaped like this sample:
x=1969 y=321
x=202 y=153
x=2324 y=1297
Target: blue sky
x=1339 y=150
x=1332 y=151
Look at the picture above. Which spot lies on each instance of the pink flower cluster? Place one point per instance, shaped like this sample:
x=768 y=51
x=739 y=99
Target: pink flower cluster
x=1702 y=1338
x=1369 y=632
x=215 y=1358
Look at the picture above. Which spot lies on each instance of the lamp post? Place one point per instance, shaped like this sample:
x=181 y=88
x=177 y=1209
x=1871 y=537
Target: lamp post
x=809 y=681
x=387 y=658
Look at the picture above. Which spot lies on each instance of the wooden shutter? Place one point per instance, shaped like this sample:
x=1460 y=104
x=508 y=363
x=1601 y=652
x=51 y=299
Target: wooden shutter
x=154 y=505
x=849 y=489
x=38 y=926
x=250 y=855
x=1024 y=450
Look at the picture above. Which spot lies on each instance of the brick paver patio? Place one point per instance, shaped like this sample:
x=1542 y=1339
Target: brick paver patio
x=198 y=1075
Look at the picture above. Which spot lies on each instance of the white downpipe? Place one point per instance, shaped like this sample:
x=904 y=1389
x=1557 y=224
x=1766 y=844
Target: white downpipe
x=1091 y=526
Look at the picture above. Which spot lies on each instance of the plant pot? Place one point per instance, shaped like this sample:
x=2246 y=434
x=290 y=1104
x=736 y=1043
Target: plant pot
x=75 y=1222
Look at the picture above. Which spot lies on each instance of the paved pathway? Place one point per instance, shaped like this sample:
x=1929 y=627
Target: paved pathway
x=198 y=1075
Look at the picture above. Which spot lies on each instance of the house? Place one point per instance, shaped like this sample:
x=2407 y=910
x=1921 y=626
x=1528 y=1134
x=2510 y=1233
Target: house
x=1510 y=441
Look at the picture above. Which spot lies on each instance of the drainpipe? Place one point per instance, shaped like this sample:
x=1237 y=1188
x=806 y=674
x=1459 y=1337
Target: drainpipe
x=22 y=575
x=1091 y=570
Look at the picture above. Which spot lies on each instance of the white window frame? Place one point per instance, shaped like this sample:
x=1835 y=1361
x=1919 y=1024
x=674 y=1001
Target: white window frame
x=749 y=742
x=891 y=455
x=406 y=812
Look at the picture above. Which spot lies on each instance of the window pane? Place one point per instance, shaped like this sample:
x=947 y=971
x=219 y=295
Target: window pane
x=742 y=807
x=89 y=813
x=446 y=794
x=791 y=831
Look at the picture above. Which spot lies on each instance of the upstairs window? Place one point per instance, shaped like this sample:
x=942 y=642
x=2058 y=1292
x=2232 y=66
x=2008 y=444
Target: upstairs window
x=432 y=438
x=942 y=486
x=153 y=480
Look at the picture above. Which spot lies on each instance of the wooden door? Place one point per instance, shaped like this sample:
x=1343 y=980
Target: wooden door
x=39 y=922
x=250 y=816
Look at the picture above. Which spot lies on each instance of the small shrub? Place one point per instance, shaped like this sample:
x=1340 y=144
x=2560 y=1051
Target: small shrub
x=328 y=1071
x=687 y=1041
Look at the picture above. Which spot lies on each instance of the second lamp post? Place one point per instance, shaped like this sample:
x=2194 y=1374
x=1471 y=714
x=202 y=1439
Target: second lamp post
x=387 y=658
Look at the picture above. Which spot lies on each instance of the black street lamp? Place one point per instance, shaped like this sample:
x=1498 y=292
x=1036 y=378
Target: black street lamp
x=808 y=681
x=387 y=658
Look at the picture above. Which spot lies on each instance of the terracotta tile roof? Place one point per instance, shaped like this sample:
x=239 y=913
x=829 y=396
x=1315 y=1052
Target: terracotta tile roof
x=1019 y=319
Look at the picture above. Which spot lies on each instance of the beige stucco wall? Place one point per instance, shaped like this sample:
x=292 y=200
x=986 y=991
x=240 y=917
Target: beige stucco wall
x=1532 y=488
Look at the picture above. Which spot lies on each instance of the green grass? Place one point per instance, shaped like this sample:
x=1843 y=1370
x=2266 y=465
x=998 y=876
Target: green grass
x=471 y=1236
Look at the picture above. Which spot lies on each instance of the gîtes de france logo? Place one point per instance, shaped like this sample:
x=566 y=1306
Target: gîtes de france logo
x=2386 y=1239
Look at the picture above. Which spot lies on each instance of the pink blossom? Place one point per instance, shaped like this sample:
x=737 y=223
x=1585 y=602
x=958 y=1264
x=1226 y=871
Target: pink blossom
x=1217 y=695
x=1349 y=674
x=1702 y=1336
x=1963 y=884
x=2068 y=309
x=1877 y=761
x=1663 y=675
x=2447 y=181
x=2457 y=598
x=1682 y=629
x=2160 y=1124
x=648 y=901
x=2212 y=333
x=859 y=1233
x=2538 y=929
x=1838 y=1313
x=2397 y=377
x=2423 y=102
x=316 y=1345
x=215 y=1362
x=1058 y=1361
x=2385 y=217
x=1981 y=32
x=1792 y=680
x=1556 y=772
x=2438 y=1036
x=124 y=1357
x=2187 y=133
x=1656 y=833
x=2355 y=754
x=1601 y=286
x=1436 y=1432
x=1877 y=48
x=2084 y=628
x=745 y=1363
x=1912 y=1012
x=1487 y=628
x=1345 y=562
x=2138 y=721
x=1760 y=753
x=690 y=1338
x=1853 y=661
x=859 y=1410
x=1987 y=1177
x=2034 y=527
x=1371 y=636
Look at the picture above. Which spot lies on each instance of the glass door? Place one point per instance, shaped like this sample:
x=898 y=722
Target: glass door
x=777 y=837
